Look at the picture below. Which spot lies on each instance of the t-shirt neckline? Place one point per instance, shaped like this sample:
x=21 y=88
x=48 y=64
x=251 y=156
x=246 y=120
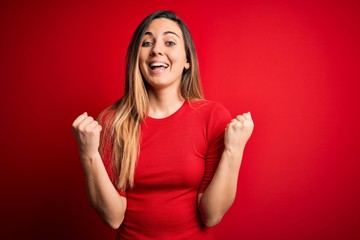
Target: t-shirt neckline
x=181 y=109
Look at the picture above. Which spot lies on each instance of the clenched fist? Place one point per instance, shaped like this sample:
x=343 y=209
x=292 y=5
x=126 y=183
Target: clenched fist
x=238 y=132
x=87 y=133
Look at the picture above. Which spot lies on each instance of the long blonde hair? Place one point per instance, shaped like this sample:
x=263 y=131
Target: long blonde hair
x=121 y=121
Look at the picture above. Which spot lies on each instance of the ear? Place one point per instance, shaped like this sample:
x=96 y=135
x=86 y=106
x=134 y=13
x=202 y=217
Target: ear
x=187 y=65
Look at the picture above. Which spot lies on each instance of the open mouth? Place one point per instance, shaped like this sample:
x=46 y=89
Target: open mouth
x=155 y=65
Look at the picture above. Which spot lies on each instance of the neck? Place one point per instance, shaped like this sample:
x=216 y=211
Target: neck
x=164 y=103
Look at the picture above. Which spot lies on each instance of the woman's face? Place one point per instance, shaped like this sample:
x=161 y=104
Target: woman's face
x=162 y=54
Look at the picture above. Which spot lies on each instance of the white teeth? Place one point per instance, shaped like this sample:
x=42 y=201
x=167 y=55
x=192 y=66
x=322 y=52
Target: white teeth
x=158 y=64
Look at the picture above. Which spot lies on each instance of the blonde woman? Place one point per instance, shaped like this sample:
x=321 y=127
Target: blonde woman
x=162 y=162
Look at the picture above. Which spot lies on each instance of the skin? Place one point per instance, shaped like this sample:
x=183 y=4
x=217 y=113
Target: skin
x=102 y=193
x=220 y=193
x=163 y=43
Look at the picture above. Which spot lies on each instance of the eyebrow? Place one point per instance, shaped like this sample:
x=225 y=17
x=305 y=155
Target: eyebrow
x=165 y=33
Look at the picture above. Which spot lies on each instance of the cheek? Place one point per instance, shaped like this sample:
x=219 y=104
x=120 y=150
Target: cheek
x=142 y=65
x=142 y=55
x=179 y=59
x=142 y=68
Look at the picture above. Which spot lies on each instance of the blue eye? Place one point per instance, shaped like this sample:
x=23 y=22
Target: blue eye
x=146 y=44
x=170 y=43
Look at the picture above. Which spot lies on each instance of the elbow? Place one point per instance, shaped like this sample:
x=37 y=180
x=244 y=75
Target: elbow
x=111 y=218
x=212 y=220
x=211 y=215
x=114 y=223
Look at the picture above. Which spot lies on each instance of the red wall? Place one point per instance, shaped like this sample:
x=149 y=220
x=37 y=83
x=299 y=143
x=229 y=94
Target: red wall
x=295 y=66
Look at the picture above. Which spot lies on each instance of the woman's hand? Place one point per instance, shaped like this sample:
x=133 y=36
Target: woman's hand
x=238 y=132
x=102 y=193
x=220 y=193
x=87 y=133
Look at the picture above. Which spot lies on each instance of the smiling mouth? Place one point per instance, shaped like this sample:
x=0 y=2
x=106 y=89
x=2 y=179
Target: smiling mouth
x=158 y=65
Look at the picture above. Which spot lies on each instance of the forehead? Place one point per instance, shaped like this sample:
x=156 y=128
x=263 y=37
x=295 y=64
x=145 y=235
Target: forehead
x=162 y=25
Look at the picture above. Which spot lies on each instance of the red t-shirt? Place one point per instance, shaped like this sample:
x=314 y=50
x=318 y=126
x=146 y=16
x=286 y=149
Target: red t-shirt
x=179 y=155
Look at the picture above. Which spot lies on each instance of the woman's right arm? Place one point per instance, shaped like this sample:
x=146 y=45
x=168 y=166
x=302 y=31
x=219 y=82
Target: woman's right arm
x=103 y=195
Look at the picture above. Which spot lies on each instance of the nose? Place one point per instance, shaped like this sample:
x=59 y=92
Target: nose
x=157 y=49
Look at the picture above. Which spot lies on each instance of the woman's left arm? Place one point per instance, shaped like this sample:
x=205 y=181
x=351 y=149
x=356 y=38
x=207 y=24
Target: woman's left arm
x=220 y=193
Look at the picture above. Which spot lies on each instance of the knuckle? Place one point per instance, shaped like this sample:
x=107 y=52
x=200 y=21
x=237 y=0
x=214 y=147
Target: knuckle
x=80 y=128
x=88 y=129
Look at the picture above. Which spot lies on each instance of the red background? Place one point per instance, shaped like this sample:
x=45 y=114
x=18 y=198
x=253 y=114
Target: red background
x=294 y=65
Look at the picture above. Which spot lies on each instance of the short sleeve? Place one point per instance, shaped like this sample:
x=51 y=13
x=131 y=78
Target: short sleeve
x=219 y=118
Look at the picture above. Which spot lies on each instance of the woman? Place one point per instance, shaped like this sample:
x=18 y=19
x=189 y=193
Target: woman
x=159 y=164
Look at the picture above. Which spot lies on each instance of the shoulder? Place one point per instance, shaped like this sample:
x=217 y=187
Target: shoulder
x=210 y=108
x=215 y=118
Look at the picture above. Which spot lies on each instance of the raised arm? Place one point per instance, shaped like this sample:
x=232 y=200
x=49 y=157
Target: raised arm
x=220 y=193
x=102 y=193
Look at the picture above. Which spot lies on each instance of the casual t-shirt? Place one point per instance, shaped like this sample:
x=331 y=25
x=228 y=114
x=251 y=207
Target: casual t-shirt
x=179 y=155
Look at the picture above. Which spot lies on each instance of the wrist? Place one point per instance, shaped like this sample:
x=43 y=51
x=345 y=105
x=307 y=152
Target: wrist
x=233 y=150
x=231 y=159
x=89 y=157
